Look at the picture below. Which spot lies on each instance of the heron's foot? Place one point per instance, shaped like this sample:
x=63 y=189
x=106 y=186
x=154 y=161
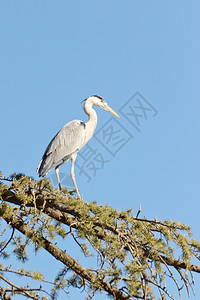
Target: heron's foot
x=79 y=196
x=64 y=191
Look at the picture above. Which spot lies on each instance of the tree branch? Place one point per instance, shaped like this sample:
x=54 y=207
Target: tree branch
x=61 y=214
x=61 y=256
x=133 y=252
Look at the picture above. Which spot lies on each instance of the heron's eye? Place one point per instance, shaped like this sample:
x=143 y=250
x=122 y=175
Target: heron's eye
x=102 y=100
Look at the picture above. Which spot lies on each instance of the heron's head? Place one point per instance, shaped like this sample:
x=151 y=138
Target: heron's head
x=99 y=101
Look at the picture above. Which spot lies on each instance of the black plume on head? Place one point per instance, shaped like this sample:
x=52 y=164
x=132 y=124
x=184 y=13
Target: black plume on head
x=101 y=98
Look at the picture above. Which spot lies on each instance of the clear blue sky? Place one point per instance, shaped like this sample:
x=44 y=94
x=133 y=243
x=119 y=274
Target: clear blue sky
x=54 y=54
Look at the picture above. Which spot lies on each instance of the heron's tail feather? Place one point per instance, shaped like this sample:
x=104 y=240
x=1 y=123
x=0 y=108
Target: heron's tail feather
x=45 y=165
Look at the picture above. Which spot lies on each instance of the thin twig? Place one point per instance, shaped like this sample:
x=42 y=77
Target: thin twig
x=17 y=287
x=13 y=230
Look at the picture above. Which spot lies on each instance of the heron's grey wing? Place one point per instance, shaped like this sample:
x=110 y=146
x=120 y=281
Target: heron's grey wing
x=67 y=141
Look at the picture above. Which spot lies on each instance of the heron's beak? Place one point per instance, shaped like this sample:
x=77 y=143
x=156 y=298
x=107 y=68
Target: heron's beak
x=111 y=110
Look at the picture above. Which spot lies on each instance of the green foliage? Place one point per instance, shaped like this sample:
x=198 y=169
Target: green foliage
x=135 y=256
x=20 y=248
x=6 y=210
x=37 y=275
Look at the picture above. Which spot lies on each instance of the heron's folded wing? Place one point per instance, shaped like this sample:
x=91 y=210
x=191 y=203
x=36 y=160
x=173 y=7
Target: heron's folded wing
x=67 y=141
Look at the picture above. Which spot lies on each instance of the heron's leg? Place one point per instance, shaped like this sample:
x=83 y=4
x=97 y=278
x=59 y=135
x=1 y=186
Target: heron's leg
x=58 y=178
x=73 y=158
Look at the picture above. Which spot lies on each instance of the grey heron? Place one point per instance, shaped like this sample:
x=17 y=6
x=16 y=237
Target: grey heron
x=70 y=139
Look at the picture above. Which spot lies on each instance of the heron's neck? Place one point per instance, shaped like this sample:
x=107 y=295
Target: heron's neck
x=92 y=119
